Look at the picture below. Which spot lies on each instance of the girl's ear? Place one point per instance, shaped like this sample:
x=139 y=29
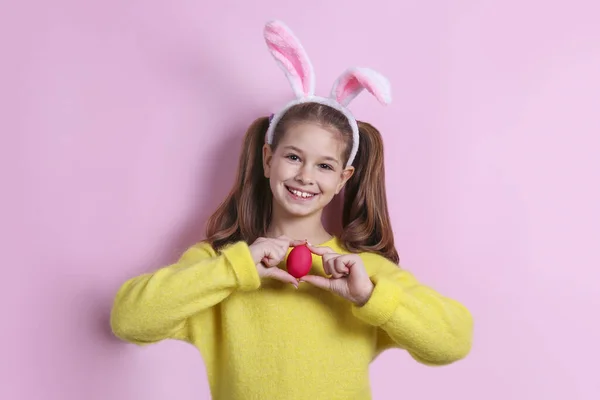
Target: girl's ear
x=267 y=158
x=346 y=174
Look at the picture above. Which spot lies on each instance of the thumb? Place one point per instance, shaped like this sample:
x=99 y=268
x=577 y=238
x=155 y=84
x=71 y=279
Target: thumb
x=281 y=275
x=318 y=281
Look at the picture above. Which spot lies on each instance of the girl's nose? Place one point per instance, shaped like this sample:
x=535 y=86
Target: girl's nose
x=304 y=177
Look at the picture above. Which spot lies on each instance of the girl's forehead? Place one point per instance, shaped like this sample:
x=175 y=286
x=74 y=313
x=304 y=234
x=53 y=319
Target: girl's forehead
x=312 y=133
x=314 y=139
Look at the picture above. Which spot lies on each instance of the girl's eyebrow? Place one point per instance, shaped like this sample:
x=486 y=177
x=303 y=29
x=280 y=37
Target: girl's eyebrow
x=294 y=148
x=328 y=158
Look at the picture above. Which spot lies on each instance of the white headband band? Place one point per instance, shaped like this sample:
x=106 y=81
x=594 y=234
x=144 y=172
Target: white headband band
x=292 y=58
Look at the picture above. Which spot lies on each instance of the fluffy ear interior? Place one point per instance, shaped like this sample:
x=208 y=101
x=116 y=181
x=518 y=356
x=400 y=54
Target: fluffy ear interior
x=355 y=80
x=291 y=57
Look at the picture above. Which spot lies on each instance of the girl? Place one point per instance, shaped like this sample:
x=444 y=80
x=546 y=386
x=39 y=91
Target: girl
x=262 y=333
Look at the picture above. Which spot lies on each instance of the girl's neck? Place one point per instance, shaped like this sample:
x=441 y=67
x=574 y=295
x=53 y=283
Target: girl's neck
x=309 y=228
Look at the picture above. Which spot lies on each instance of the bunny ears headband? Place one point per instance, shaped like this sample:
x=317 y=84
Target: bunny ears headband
x=292 y=58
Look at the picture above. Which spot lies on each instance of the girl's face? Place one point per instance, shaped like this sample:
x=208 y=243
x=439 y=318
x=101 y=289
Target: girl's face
x=306 y=170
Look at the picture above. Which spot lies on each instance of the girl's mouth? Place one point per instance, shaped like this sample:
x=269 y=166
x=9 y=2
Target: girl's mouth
x=300 y=194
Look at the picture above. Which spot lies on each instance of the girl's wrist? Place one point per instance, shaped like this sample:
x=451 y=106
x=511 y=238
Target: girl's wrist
x=365 y=295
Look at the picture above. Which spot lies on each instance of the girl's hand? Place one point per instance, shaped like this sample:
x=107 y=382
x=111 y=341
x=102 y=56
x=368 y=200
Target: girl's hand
x=349 y=278
x=267 y=253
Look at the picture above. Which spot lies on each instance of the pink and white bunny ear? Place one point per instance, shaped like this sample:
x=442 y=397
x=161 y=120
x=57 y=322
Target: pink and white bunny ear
x=354 y=80
x=291 y=57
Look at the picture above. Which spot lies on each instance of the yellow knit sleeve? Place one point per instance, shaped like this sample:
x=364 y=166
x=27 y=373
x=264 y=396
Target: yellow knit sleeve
x=156 y=306
x=434 y=329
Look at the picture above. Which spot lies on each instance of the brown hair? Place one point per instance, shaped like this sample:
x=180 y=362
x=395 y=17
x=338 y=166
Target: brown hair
x=246 y=212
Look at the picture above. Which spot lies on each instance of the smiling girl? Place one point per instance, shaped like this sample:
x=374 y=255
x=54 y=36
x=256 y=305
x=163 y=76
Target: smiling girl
x=262 y=333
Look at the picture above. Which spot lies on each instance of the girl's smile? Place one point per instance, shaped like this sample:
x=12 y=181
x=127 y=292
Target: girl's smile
x=300 y=194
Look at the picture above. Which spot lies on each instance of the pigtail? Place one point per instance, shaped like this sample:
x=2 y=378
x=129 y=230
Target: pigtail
x=365 y=218
x=246 y=212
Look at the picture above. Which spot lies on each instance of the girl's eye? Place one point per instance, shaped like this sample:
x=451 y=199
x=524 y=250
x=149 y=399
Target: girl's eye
x=293 y=157
x=326 y=166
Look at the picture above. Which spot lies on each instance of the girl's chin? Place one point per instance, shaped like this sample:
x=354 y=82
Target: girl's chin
x=296 y=210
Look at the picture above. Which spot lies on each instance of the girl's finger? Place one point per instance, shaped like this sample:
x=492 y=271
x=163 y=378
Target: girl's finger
x=272 y=259
x=328 y=257
x=279 y=252
x=326 y=268
x=329 y=267
x=266 y=261
x=320 y=251
x=341 y=266
x=280 y=241
x=295 y=243
x=283 y=276
x=318 y=281
x=337 y=268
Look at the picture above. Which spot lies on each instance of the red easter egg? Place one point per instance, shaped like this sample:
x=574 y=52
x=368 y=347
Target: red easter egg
x=299 y=261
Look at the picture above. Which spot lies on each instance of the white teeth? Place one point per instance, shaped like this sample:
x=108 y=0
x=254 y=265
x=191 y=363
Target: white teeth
x=301 y=194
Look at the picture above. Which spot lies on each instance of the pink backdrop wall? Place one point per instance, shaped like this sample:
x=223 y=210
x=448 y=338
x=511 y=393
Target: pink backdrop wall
x=120 y=121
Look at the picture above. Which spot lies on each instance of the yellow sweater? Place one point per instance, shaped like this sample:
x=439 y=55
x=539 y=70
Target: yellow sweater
x=269 y=341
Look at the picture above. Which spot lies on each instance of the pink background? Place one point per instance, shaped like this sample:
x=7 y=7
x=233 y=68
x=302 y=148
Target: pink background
x=121 y=121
